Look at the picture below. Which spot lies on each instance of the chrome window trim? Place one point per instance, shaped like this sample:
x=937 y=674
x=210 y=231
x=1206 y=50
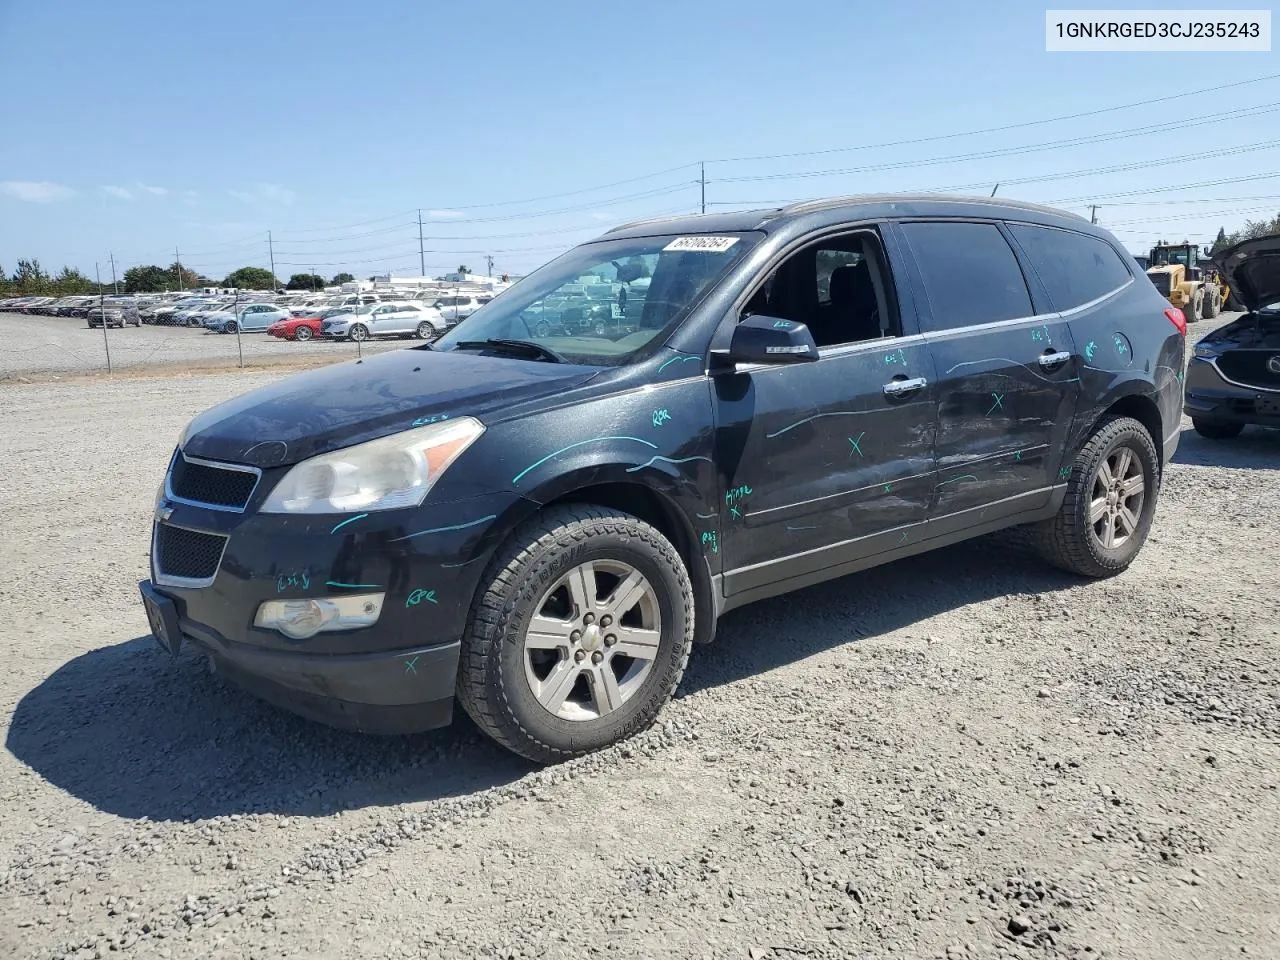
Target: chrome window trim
x=217 y=465
x=191 y=583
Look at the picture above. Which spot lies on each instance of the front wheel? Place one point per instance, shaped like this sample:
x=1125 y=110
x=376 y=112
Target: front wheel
x=580 y=636
x=1216 y=429
x=1191 y=310
x=231 y=327
x=1110 y=503
x=358 y=332
x=302 y=333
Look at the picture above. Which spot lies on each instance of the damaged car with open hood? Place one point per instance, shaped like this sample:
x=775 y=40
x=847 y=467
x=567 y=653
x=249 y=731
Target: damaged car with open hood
x=1233 y=379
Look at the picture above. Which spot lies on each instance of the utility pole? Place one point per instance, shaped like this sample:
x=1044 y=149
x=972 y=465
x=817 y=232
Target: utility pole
x=313 y=279
x=178 y=257
x=114 y=284
x=489 y=257
x=102 y=310
x=702 y=180
x=271 y=252
x=994 y=189
x=1093 y=213
x=422 y=257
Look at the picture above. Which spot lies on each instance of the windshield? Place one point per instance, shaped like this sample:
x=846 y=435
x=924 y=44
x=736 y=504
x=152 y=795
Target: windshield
x=1167 y=258
x=641 y=289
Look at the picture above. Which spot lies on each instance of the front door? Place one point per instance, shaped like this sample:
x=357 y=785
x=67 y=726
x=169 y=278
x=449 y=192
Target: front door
x=1008 y=373
x=829 y=461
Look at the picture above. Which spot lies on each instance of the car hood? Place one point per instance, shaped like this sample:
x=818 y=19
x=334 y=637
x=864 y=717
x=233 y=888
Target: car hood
x=1252 y=270
x=347 y=403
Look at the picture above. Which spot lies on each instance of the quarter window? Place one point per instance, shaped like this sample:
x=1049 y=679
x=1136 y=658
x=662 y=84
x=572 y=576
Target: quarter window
x=1074 y=268
x=969 y=272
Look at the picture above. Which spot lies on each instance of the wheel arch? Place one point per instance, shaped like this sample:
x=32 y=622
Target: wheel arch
x=1139 y=406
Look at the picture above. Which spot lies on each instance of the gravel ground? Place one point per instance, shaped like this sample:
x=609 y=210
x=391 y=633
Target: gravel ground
x=34 y=346
x=961 y=755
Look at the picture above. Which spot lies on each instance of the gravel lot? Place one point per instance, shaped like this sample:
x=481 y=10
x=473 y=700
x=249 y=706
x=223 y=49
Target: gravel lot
x=962 y=755
x=35 y=346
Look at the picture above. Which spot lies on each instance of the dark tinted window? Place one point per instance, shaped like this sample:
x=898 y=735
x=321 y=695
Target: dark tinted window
x=1074 y=268
x=970 y=273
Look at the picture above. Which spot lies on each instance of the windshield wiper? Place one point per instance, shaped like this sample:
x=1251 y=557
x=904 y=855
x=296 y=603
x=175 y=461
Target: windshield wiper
x=513 y=346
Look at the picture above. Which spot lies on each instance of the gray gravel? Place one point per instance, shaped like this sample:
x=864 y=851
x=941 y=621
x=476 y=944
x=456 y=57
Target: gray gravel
x=31 y=345
x=962 y=755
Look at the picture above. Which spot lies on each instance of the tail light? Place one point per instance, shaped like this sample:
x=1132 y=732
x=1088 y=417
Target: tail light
x=1177 y=318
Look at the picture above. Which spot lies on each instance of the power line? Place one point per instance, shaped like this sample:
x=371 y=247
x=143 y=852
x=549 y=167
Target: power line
x=1009 y=126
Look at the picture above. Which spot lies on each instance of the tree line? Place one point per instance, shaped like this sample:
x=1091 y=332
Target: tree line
x=1252 y=230
x=29 y=279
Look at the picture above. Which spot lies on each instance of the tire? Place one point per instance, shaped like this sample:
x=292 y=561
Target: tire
x=358 y=332
x=542 y=329
x=425 y=331
x=1192 y=310
x=500 y=679
x=302 y=333
x=231 y=327
x=1212 y=305
x=1217 y=429
x=1069 y=540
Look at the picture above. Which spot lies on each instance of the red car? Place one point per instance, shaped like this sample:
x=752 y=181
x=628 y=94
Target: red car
x=298 y=328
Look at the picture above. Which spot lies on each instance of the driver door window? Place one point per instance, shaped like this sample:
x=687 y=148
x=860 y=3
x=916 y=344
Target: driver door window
x=839 y=288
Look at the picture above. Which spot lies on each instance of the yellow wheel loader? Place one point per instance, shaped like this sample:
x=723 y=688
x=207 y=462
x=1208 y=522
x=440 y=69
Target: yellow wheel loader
x=1187 y=281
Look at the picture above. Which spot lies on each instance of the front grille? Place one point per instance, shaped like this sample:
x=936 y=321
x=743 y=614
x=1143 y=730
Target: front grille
x=188 y=554
x=205 y=483
x=1163 y=282
x=1249 y=366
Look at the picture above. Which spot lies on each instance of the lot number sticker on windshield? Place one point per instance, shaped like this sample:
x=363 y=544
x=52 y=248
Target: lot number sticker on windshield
x=704 y=244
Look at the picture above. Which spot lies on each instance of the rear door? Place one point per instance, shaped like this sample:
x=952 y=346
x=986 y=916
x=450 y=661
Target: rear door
x=1008 y=372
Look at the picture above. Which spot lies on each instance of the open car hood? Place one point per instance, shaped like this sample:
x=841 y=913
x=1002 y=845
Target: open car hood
x=1252 y=270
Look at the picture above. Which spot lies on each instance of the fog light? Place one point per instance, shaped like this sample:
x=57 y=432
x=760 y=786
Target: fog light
x=300 y=619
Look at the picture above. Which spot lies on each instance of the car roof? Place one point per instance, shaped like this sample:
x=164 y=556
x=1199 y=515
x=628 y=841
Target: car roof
x=834 y=210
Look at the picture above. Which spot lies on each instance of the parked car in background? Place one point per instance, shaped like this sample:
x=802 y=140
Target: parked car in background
x=457 y=307
x=249 y=318
x=408 y=319
x=114 y=312
x=73 y=304
x=161 y=314
x=1233 y=378
x=305 y=326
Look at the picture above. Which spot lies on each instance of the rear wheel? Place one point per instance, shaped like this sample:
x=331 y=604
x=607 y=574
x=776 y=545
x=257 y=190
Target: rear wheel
x=1192 y=309
x=1211 y=303
x=1217 y=429
x=425 y=331
x=580 y=636
x=1110 y=503
x=542 y=329
x=358 y=332
x=302 y=333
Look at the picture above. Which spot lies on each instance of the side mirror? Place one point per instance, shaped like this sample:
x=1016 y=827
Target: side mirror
x=764 y=339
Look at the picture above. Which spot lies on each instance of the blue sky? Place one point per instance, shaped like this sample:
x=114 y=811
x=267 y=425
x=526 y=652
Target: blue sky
x=522 y=128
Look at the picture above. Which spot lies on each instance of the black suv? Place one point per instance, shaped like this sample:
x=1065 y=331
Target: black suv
x=542 y=527
x=1234 y=377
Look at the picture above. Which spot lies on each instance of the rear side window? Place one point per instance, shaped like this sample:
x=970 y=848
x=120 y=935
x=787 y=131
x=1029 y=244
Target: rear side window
x=1073 y=267
x=969 y=272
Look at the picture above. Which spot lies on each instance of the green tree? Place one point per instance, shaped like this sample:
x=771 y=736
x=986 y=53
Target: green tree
x=250 y=278
x=71 y=281
x=305 y=281
x=189 y=278
x=464 y=269
x=29 y=278
x=1220 y=242
x=150 y=279
x=342 y=278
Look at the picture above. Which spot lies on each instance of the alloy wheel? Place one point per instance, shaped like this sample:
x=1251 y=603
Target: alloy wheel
x=593 y=640
x=1119 y=489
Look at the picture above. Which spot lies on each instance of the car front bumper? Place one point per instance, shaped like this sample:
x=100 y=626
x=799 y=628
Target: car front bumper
x=1211 y=397
x=396 y=676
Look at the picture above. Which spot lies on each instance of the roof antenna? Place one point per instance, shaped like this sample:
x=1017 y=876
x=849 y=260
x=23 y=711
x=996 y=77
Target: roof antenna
x=994 y=189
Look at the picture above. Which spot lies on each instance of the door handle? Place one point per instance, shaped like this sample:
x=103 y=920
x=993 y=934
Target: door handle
x=1054 y=359
x=902 y=388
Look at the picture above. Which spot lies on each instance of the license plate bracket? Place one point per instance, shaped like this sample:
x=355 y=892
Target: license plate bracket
x=162 y=615
x=1268 y=406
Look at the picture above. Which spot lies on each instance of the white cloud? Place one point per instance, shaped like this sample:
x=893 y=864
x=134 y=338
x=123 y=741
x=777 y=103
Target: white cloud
x=37 y=191
x=156 y=191
x=120 y=193
x=599 y=215
x=268 y=192
x=444 y=214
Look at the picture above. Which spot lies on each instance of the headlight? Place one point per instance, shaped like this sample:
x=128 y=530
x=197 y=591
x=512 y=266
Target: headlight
x=1205 y=352
x=385 y=474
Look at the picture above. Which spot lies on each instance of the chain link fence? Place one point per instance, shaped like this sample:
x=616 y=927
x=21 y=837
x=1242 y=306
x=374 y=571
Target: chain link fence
x=33 y=346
